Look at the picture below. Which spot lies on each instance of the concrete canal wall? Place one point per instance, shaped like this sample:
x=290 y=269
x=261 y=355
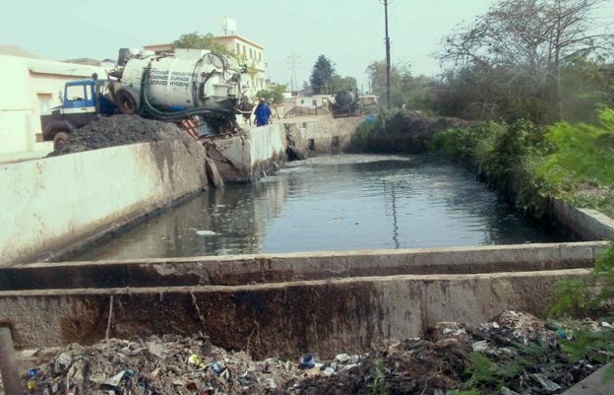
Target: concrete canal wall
x=321 y=135
x=284 y=319
x=287 y=303
x=249 y=156
x=588 y=224
x=52 y=203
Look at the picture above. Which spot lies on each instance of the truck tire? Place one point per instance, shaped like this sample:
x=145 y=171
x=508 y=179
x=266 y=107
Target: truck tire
x=127 y=101
x=59 y=139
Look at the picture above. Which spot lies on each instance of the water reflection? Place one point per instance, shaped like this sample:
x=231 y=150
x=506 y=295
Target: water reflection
x=343 y=202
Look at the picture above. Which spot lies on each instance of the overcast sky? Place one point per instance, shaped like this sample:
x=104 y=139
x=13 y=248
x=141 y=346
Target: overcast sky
x=349 y=32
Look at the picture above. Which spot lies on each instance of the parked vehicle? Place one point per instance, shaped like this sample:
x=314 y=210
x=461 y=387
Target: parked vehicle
x=169 y=87
x=346 y=104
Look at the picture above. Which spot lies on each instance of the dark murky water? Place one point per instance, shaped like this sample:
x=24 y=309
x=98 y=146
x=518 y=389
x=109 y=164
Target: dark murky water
x=342 y=202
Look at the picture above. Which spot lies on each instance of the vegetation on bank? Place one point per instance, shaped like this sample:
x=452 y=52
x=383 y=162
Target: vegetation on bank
x=527 y=163
x=531 y=165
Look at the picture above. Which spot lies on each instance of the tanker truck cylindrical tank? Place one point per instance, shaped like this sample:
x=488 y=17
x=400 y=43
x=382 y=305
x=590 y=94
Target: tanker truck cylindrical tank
x=345 y=98
x=171 y=83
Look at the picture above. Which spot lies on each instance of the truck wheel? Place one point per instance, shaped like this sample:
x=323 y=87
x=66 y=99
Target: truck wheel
x=59 y=140
x=127 y=101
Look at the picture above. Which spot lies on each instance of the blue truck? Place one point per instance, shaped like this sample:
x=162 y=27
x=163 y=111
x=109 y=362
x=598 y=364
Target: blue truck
x=82 y=102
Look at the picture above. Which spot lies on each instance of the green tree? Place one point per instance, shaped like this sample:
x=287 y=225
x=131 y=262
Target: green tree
x=417 y=93
x=197 y=41
x=274 y=96
x=322 y=75
x=339 y=83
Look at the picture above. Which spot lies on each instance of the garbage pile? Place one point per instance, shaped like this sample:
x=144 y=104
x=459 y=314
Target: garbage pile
x=515 y=353
x=119 y=130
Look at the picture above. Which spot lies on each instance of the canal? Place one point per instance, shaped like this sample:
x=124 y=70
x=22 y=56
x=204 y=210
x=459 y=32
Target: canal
x=344 y=202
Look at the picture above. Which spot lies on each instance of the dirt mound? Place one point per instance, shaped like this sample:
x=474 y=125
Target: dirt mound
x=119 y=130
x=298 y=111
x=516 y=353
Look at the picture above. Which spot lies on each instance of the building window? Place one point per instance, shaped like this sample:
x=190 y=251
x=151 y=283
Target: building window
x=238 y=48
x=251 y=54
x=244 y=51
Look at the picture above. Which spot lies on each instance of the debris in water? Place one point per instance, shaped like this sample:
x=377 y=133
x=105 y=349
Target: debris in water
x=205 y=233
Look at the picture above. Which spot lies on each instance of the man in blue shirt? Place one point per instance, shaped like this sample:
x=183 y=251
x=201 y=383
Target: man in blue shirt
x=263 y=113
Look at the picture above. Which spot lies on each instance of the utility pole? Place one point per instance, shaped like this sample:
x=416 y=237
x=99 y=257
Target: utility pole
x=294 y=60
x=385 y=3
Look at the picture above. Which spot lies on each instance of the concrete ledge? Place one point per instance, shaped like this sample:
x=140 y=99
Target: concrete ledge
x=51 y=203
x=250 y=156
x=324 y=316
x=270 y=268
x=589 y=224
x=597 y=383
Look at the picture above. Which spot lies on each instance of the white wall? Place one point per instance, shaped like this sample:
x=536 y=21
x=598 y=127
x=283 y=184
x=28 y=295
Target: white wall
x=30 y=86
x=267 y=142
x=51 y=203
x=16 y=111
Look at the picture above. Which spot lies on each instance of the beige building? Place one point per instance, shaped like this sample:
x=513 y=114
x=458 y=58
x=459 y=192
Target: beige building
x=249 y=52
x=31 y=87
x=245 y=50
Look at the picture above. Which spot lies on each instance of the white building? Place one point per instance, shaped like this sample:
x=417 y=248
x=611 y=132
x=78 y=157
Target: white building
x=31 y=87
x=249 y=52
x=246 y=51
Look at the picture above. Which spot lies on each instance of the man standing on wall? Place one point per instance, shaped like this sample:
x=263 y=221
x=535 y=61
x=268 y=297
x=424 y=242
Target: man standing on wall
x=263 y=113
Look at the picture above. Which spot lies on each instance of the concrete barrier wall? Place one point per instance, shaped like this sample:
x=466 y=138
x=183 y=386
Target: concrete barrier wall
x=51 y=203
x=266 y=142
x=285 y=319
x=588 y=224
x=329 y=135
x=277 y=268
x=246 y=156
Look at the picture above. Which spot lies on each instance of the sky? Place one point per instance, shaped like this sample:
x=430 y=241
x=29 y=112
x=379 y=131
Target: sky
x=349 y=32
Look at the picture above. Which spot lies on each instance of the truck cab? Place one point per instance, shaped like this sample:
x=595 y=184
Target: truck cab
x=82 y=102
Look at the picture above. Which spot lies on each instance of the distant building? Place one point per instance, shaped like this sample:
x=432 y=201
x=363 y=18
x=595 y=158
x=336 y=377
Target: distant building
x=246 y=51
x=85 y=61
x=14 y=50
x=250 y=52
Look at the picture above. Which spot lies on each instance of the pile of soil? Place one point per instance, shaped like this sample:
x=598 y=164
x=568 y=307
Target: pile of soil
x=298 y=111
x=514 y=354
x=119 y=130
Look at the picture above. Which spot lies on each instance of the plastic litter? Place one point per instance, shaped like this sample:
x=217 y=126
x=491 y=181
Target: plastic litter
x=546 y=383
x=205 y=233
x=307 y=361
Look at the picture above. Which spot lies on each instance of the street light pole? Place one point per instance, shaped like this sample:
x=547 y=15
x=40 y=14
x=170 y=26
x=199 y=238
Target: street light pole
x=385 y=3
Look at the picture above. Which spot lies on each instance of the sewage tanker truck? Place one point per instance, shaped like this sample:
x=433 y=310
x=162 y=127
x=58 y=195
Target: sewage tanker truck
x=194 y=85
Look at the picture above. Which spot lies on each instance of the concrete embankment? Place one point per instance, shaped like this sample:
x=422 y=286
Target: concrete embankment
x=287 y=303
x=248 y=156
x=51 y=203
x=320 y=135
x=54 y=203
